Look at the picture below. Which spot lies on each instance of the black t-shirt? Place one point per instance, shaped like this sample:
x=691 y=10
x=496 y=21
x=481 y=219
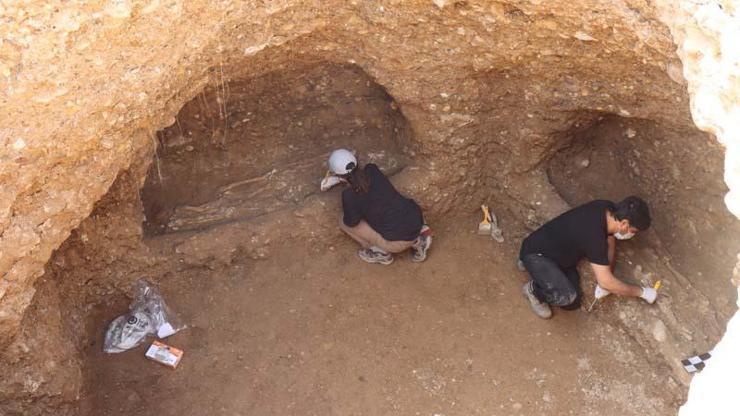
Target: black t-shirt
x=388 y=212
x=580 y=232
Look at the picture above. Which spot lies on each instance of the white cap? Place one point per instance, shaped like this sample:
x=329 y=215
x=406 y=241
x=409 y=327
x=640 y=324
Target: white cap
x=342 y=162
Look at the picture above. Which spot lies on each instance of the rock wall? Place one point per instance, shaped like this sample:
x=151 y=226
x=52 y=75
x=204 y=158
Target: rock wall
x=706 y=35
x=487 y=87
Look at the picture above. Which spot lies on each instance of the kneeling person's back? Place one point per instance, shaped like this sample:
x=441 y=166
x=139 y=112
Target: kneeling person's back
x=375 y=214
x=392 y=215
x=578 y=233
x=551 y=253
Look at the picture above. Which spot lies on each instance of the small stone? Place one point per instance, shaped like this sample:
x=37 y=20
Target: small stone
x=118 y=9
x=19 y=144
x=674 y=69
x=152 y=6
x=675 y=172
x=583 y=36
x=630 y=133
x=440 y=3
x=47 y=96
x=66 y=22
x=517 y=406
x=251 y=50
x=659 y=331
x=133 y=397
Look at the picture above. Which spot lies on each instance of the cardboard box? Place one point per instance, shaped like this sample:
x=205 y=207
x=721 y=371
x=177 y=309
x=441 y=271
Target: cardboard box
x=164 y=354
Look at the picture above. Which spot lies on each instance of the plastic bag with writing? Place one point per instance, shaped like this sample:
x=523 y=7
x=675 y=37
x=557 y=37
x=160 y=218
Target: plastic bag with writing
x=148 y=315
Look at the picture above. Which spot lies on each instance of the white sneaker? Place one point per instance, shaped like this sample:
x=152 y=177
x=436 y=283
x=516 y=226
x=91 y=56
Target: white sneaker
x=540 y=309
x=372 y=256
x=423 y=242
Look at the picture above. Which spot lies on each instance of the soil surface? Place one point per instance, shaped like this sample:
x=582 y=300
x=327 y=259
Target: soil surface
x=284 y=318
x=313 y=330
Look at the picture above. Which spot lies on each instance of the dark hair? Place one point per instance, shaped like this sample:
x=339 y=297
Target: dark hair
x=358 y=180
x=634 y=210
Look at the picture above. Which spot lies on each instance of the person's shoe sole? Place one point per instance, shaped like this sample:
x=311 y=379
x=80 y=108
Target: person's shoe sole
x=545 y=314
x=384 y=261
x=419 y=259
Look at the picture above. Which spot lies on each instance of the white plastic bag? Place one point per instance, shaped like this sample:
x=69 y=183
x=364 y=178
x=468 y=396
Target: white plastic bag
x=148 y=315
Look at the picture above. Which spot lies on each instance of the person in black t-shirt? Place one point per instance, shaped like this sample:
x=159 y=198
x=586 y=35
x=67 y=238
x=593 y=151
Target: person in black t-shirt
x=551 y=253
x=376 y=215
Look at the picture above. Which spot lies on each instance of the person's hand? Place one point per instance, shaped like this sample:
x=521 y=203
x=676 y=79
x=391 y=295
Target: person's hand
x=649 y=294
x=600 y=292
x=329 y=182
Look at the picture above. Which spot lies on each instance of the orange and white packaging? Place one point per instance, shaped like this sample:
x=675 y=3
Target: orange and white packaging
x=164 y=354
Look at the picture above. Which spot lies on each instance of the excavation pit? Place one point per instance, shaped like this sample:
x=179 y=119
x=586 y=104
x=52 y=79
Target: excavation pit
x=283 y=316
x=261 y=145
x=184 y=143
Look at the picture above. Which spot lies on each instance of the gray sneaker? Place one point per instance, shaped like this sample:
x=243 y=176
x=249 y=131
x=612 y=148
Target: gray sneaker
x=420 y=248
x=539 y=308
x=372 y=256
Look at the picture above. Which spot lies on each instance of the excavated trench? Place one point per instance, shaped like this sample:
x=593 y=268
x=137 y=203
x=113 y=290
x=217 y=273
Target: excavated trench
x=673 y=168
x=246 y=249
x=261 y=145
x=218 y=205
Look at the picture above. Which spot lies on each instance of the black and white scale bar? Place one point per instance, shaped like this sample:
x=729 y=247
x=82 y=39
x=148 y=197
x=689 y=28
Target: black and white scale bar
x=696 y=363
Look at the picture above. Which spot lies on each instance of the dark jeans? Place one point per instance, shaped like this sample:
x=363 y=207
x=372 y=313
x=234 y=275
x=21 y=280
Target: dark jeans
x=553 y=285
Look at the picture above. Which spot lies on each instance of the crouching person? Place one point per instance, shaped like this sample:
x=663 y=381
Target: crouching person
x=376 y=215
x=591 y=231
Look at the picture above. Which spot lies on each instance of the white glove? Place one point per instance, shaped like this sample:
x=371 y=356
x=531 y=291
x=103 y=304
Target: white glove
x=329 y=182
x=649 y=294
x=600 y=292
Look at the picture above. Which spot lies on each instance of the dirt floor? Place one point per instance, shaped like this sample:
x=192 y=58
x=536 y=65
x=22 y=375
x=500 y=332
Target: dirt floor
x=313 y=330
x=284 y=318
